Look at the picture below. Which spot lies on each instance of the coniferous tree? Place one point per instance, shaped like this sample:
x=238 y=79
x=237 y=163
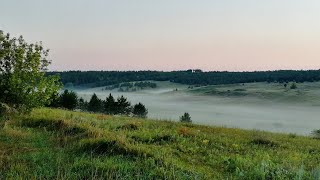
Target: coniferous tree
x=82 y=104
x=186 y=118
x=110 y=105
x=95 y=104
x=139 y=110
x=69 y=100
x=123 y=106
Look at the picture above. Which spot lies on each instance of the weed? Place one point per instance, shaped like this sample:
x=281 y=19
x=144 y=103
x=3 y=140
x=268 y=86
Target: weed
x=129 y=126
x=292 y=135
x=264 y=142
x=186 y=132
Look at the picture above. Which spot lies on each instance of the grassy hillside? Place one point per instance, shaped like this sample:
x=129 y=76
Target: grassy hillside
x=57 y=144
x=305 y=93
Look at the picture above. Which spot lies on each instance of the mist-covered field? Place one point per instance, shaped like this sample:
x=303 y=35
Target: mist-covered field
x=262 y=106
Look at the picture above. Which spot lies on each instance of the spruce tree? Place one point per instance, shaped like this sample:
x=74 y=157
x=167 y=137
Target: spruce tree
x=110 y=105
x=95 y=104
x=68 y=100
x=123 y=106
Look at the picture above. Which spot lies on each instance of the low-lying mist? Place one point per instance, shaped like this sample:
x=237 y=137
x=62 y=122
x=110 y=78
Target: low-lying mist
x=240 y=112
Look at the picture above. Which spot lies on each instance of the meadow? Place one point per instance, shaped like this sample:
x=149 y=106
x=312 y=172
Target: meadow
x=262 y=106
x=59 y=144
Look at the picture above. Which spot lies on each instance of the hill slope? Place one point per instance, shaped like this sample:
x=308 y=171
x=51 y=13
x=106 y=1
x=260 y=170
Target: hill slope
x=57 y=144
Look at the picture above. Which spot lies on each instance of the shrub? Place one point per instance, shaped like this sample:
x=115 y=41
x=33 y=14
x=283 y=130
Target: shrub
x=186 y=118
x=6 y=110
x=316 y=133
x=186 y=132
x=293 y=86
x=129 y=126
x=292 y=135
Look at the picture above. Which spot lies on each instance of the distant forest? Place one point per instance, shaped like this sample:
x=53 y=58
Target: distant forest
x=189 y=77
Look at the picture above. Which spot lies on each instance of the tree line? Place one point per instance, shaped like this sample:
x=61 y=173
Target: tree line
x=131 y=86
x=189 y=77
x=111 y=106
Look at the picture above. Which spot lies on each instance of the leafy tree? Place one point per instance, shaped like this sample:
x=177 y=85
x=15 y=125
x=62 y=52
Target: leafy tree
x=69 y=100
x=55 y=101
x=110 y=105
x=139 y=110
x=95 y=104
x=23 y=82
x=186 y=118
x=123 y=106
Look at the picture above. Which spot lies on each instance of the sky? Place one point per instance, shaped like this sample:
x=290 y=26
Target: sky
x=213 y=35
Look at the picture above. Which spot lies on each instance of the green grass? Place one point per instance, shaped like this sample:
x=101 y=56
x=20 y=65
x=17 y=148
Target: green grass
x=58 y=144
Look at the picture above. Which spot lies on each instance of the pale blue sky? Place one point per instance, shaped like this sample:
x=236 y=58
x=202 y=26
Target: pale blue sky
x=170 y=34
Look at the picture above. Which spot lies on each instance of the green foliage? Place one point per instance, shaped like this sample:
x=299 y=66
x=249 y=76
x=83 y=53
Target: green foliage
x=143 y=85
x=195 y=77
x=123 y=106
x=264 y=142
x=23 y=84
x=293 y=86
x=316 y=133
x=59 y=144
x=95 y=104
x=132 y=86
x=139 y=110
x=82 y=104
x=6 y=110
x=110 y=105
x=69 y=100
x=186 y=118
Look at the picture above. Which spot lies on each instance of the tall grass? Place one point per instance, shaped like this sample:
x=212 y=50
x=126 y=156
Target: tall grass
x=57 y=144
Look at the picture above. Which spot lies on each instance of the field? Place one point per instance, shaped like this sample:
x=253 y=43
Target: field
x=263 y=106
x=58 y=144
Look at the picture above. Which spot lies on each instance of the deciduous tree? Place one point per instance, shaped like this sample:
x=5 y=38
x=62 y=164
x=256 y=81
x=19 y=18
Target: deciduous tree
x=23 y=83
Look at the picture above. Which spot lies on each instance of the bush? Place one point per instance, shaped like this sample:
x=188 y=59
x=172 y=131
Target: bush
x=6 y=110
x=293 y=86
x=316 y=134
x=186 y=118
